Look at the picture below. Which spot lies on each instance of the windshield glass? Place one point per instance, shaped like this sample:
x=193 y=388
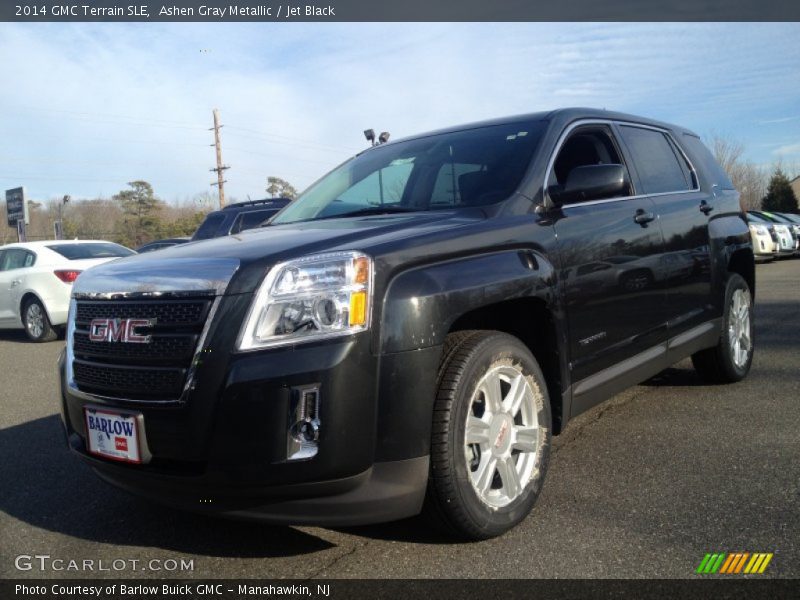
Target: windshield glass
x=474 y=167
x=99 y=250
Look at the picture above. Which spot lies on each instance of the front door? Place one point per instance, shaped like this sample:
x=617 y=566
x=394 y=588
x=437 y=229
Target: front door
x=610 y=251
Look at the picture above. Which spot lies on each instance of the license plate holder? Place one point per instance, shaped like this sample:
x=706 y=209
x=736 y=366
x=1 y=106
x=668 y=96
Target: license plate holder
x=112 y=434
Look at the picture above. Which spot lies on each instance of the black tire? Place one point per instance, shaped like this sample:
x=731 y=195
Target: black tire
x=718 y=364
x=452 y=501
x=37 y=323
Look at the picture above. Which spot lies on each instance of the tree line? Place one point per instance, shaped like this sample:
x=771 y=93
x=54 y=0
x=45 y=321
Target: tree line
x=132 y=217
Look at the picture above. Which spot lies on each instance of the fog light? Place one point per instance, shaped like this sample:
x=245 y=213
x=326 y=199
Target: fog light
x=303 y=428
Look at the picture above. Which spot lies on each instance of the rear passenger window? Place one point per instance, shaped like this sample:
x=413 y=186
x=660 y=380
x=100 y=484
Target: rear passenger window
x=657 y=161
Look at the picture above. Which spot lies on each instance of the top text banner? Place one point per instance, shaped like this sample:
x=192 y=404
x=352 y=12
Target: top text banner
x=404 y=10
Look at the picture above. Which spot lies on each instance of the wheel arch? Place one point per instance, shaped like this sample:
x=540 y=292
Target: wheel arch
x=510 y=290
x=26 y=297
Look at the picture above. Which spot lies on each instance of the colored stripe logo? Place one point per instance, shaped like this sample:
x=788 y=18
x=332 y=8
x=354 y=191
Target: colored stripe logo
x=734 y=563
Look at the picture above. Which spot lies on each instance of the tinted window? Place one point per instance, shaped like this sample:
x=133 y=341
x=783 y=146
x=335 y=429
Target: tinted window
x=16 y=258
x=208 y=228
x=83 y=251
x=403 y=175
x=702 y=157
x=586 y=146
x=253 y=218
x=656 y=160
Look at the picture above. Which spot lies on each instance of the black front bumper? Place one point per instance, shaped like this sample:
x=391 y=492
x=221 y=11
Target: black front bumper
x=224 y=450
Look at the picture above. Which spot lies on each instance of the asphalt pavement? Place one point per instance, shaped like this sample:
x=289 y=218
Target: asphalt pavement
x=643 y=485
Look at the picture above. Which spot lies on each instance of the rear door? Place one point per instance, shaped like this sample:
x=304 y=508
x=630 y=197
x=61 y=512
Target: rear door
x=669 y=179
x=609 y=250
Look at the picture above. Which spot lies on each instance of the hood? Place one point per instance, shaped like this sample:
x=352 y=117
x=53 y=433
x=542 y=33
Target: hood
x=210 y=264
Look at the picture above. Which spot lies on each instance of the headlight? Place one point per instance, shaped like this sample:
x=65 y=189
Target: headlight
x=761 y=230
x=314 y=297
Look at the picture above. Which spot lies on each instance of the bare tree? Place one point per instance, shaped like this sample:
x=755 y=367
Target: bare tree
x=747 y=177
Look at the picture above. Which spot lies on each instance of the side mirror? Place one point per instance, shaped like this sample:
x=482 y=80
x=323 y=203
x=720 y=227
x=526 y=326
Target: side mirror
x=591 y=182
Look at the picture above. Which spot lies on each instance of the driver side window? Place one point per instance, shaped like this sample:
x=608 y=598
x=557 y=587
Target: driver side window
x=587 y=146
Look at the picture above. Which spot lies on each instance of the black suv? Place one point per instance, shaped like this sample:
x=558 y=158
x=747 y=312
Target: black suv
x=238 y=217
x=408 y=334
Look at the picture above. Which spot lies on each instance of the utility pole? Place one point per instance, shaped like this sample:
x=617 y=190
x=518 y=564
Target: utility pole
x=220 y=167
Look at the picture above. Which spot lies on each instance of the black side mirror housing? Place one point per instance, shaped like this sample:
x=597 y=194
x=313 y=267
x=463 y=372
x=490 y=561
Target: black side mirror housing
x=591 y=182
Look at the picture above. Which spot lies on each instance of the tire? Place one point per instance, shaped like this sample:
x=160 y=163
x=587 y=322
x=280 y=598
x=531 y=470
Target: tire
x=37 y=323
x=509 y=458
x=730 y=360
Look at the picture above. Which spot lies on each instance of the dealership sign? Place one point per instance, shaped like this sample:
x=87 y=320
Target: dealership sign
x=16 y=207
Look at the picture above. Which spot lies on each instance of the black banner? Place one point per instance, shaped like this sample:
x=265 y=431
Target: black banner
x=407 y=10
x=422 y=589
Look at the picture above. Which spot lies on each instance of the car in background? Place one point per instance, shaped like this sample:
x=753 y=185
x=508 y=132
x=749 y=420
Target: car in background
x=160 y=244
x=783 y=220
x=235 y=218
x=36 y=280
x=765 y=240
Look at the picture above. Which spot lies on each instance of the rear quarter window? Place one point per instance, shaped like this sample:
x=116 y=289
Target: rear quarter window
x=702 y=157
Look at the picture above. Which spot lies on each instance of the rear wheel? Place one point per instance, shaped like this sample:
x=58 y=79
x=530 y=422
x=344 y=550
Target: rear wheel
x=729 y=361
x=37 y=324
x=491 y=435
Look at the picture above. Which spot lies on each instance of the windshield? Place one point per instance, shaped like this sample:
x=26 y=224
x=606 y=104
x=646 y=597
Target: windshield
x=82 y=251
x=473 y=167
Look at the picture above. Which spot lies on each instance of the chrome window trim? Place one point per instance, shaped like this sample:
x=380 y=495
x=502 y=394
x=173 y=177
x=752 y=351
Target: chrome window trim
x=609 y=123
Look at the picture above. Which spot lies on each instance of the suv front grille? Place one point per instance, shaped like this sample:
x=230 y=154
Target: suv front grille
x=153 y=371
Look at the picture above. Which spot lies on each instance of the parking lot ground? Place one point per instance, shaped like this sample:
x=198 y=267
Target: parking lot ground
x=643 y=485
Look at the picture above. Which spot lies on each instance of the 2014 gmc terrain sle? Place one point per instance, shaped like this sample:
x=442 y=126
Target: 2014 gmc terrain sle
x=410 y=332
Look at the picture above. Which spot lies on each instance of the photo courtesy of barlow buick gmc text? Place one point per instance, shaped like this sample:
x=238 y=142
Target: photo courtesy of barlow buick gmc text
x=424 y=300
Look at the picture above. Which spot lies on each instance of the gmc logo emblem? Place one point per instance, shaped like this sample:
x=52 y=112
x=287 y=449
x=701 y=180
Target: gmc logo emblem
x=120 y=330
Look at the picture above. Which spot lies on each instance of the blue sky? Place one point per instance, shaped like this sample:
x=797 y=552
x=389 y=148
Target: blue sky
x=87 y=108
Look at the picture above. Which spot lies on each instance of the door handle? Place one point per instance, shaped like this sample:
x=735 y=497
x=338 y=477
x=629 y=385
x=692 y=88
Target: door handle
x=705 y=207
x=15 y=283
x=643 y=218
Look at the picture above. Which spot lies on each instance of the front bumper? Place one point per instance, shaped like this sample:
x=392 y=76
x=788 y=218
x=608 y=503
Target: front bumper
x=224 y=450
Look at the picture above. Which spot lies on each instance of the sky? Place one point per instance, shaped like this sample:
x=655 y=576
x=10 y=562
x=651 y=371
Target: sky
x=86 y=108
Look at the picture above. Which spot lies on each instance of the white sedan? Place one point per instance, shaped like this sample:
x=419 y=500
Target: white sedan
x=36 y=280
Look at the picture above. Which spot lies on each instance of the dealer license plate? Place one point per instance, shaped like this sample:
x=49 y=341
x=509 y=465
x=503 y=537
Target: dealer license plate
x=112 y=435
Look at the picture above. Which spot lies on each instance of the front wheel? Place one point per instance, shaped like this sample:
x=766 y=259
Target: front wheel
x=491 y=435
x=729 y=361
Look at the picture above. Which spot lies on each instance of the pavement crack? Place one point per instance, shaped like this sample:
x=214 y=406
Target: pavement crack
x=336 y=560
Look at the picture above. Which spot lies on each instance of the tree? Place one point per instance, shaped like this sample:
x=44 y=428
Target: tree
x=280 y=188
x=140 y=208
x=748 y=178
x=780 y=195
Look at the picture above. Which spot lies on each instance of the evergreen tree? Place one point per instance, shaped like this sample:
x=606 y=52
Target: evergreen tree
x=780 y=195
x=140 y=208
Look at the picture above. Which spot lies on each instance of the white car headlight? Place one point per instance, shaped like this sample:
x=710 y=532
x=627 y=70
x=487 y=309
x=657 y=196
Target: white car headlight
x=761 y=230
x=313 y=297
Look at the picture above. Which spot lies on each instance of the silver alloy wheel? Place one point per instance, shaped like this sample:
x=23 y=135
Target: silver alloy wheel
x=739 y=327
x=502 y=435
x=34 y=320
